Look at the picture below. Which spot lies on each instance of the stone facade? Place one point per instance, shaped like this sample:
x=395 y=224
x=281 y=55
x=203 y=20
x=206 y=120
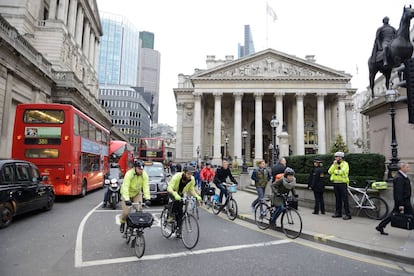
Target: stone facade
x=48 y=54
x=308 y=99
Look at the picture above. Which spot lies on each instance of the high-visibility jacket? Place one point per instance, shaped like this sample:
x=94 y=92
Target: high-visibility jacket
x=339 y=173
x=133 y=184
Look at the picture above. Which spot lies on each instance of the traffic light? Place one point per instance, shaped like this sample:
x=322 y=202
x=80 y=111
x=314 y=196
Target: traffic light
x=409 y=78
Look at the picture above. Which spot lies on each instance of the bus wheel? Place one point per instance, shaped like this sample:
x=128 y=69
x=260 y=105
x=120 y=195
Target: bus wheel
x=83 y=191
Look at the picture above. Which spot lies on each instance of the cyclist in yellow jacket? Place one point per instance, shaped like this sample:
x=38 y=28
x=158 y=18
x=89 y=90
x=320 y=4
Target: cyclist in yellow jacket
x=180 y=184
x=135 y=183
x=339 y=171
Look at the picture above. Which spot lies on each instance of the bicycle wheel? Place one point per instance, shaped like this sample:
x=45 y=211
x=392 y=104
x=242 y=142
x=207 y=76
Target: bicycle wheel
x=291 y=223
x=139 y=247
x=232 y=209
x=166 y=227
x=216 y=208
x=262 y=218
x=378 y=209
x=190 y=231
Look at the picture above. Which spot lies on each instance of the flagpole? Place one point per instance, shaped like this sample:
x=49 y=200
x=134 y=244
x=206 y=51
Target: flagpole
x=267 y=26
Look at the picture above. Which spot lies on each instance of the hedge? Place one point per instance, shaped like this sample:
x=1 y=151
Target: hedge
x=362 y=167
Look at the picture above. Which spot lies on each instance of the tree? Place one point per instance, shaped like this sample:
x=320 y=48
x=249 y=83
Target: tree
x=339 y=145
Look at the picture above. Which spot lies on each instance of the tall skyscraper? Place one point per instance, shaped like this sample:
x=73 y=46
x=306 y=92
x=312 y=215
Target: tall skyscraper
x=248 y=47
x=149 y=70
x=118 y=53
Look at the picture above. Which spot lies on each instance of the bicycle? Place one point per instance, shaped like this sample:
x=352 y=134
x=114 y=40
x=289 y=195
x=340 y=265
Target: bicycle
x=134 y=230
x=374 y=206
x=291 y=221
x=208 y=197
x=190 y=231
x=230 y=205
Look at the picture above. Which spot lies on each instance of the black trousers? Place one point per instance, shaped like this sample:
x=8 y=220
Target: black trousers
x=319 y=202
x=341 y=196
x=408 y=209
x=177 y=210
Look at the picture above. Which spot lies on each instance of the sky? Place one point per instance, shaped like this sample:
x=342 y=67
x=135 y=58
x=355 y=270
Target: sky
x=339 y=33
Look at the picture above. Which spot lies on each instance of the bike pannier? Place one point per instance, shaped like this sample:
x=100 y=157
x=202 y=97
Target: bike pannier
x=140 y=219
x=210 y=191
x=292 y=202
x=403 y=221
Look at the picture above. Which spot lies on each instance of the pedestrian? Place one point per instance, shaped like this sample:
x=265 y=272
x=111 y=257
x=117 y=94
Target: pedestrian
x=261 y=176
x=339 y=171
x=278 y=169
x=317 y=186
x=402 y=196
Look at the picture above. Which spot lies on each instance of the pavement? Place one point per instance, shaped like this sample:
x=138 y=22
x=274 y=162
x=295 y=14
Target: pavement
x=358 y=234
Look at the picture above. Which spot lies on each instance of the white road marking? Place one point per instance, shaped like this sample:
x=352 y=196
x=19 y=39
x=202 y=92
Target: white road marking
x=182 y=254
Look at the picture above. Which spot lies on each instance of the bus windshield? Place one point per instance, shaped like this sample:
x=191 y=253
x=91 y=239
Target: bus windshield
x=42 y=116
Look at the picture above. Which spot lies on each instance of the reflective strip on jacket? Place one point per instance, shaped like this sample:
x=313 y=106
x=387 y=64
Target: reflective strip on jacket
x=133 y=184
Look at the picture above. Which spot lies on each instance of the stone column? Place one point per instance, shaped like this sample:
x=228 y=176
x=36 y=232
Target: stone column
x=86 y=35
x=300 y=126
x=258 y=129
x=238 y=96
x=279 y=114
x=91 y=47
x=197 y=125
x=79 y=26
x=321 y=123
x=62 y=10
x=72 y=16
x=217 y=128
x=6 y=125
x=52 y=9
x=96 y=55
x=179 y=137
x=342 y=116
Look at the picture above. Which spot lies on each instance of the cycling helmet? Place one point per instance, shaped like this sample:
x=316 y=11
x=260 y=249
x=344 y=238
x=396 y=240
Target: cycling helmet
x=340 y=154
x=138 y=164
x=208 y=163
x=190 y=169
x=289 y=171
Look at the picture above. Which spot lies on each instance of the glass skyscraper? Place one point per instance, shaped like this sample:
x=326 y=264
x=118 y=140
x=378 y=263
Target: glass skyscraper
x=248 y=47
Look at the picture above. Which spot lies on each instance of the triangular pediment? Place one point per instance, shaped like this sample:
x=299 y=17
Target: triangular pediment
x=270 y=64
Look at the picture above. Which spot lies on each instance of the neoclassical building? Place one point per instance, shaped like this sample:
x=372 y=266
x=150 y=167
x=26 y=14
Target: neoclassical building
x=312 y=103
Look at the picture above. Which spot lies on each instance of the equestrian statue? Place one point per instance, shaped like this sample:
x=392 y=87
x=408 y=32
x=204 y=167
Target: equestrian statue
x=391 y=48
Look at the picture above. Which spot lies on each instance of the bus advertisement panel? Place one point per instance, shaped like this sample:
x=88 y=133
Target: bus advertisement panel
x=67 y=146
x=151 y=149
x=121 y=153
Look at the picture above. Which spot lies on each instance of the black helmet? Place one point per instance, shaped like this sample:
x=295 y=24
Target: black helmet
x=138 y=164
x=289 y=171
x=190 y=169
x=208 y=163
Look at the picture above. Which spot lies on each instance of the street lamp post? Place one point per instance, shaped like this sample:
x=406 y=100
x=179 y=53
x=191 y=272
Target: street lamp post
x=226 y=142
x=271 y=148
x=274 y=123
x=391 y=97
x=244 y=135
x=198 y=154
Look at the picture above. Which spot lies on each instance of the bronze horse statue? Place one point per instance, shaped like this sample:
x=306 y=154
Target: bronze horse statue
x=400 y=49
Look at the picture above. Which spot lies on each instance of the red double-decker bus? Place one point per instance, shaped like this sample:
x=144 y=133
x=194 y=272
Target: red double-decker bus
x=67 y=146
x=151 y=149
x=121 y=153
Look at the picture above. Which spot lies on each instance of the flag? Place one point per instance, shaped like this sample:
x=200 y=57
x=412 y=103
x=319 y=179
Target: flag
x=271 y=12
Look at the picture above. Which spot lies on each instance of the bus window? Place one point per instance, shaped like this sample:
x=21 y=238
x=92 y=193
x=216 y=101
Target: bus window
x=75 y=124
x=40 y=116
x=83 y=128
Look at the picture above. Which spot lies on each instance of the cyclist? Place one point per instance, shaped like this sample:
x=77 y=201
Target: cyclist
x=281 y=187
x=136 y=183
x=206 y=175
x=180 y=184
x=221 y=175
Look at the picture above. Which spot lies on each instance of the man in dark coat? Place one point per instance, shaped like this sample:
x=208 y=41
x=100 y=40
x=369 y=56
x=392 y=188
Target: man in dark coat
x=402 y=196
x=278 y=168
x=317 y=186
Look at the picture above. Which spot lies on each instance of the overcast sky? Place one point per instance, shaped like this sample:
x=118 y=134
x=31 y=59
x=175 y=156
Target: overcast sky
x=339 y=33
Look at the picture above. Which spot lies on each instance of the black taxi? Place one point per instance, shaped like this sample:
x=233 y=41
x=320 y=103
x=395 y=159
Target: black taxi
x=22 y=190
x=157 y=181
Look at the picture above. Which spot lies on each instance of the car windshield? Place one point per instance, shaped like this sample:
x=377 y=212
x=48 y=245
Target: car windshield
x=154 y=171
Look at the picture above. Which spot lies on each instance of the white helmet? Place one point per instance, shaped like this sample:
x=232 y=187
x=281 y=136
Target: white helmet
x=340 y=154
